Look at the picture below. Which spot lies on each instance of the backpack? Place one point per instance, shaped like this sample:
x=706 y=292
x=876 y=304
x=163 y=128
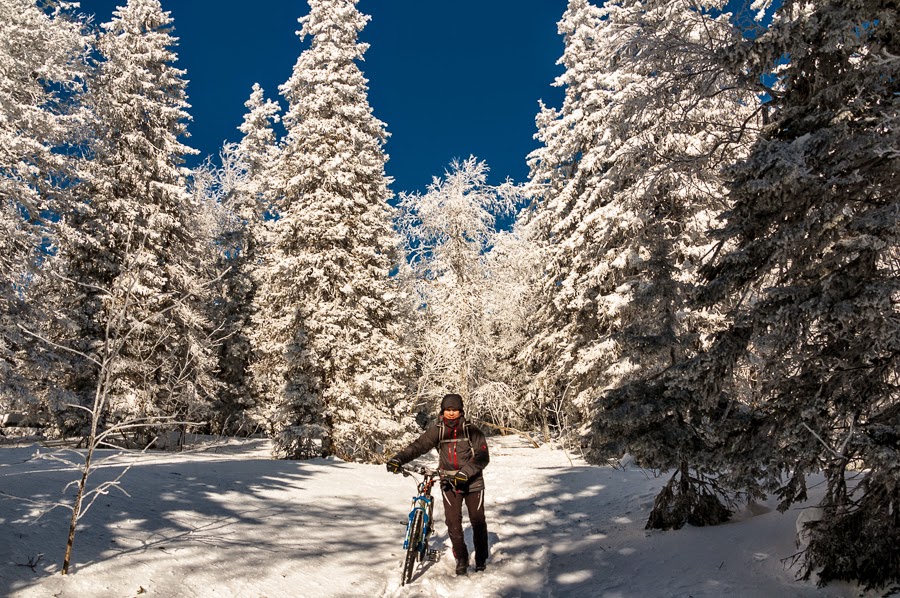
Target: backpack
x=467 y=437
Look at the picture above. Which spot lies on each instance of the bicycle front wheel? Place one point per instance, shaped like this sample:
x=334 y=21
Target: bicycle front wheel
x=427 y=530
x=412 y=551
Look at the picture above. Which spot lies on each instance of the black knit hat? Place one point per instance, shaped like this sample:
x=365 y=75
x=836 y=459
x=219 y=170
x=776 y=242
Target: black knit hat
x=452 y=401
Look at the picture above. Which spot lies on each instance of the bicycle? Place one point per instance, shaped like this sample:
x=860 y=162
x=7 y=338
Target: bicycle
x=420 y=526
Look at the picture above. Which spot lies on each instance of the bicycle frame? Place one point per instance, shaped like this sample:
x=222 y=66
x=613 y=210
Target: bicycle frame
x=415 y=542
x=423 y=502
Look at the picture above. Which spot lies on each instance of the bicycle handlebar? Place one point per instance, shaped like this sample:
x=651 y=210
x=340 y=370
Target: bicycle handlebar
x=426 y=471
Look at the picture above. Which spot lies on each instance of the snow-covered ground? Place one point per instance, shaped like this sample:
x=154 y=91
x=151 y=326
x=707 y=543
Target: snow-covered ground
x=229 y=521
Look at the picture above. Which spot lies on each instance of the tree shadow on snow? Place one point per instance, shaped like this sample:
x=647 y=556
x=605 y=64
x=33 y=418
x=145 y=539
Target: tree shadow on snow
x=579 y=532
x=582 y=534
x=249 y=516
x=560 y=540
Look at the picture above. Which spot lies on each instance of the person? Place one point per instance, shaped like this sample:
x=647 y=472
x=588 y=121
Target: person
x=463 y=454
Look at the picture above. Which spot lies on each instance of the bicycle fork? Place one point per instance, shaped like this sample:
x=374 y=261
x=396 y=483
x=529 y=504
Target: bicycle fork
x=423 y=504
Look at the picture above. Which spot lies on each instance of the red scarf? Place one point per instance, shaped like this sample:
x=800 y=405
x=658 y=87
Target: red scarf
x=453 y=426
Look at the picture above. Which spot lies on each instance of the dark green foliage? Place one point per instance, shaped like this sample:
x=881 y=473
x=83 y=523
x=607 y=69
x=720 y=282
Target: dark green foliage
x=236 y=397
x=693 y=499
x=859 y=540
x=808 y=262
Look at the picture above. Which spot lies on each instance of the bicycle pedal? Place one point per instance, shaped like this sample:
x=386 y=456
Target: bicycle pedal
x=434 y=555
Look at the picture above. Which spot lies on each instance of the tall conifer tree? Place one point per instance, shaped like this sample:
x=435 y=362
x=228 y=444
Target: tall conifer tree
x=133 y=236
x=811 y=250
x=245 y=196
x=42 y=70
x=329 y=324
x=629 y=182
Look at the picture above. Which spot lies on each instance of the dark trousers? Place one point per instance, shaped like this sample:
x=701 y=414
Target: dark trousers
x=453 y=502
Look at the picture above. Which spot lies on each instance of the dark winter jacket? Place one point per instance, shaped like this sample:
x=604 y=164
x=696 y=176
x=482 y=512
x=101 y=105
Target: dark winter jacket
x=461 y=448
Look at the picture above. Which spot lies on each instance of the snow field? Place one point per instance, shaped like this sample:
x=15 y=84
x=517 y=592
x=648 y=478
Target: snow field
x=228 y=521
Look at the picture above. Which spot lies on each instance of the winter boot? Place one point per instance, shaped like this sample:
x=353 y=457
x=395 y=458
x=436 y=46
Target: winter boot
x=462 y=567
x=479 y=566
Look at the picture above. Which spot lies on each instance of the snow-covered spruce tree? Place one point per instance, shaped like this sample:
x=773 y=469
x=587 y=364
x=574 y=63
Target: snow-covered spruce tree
x=811 y=248
x=242 y=190
x=42 y=70
x=134 y=203
x=628 y=182
x=554 y=166
x=328 y=323
x=448 y=229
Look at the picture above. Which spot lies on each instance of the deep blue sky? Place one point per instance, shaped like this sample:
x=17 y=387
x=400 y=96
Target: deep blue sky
x=450 y=78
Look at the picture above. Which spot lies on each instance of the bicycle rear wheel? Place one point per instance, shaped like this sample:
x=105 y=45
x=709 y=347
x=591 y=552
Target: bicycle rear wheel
x=412 y=550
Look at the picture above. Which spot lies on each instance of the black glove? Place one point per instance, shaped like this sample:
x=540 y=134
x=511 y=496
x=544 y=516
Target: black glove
x=394 y=465
x=460 y=478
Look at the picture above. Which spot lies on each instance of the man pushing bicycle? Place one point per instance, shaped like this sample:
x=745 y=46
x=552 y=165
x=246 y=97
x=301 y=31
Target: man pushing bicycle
x=463 y=453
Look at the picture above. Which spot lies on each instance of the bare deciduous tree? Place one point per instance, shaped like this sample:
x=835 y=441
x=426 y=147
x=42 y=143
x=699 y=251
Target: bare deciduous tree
x=119 y=330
